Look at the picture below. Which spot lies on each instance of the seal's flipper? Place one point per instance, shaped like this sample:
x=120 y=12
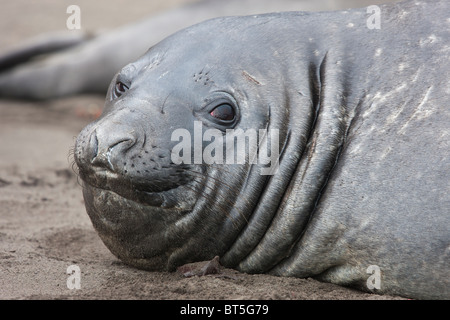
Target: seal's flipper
x=43 y=44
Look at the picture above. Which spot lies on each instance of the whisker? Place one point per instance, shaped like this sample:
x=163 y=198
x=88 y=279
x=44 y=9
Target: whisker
x=73 y=165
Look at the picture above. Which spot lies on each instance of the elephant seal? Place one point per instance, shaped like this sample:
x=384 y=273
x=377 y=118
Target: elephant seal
x=361 y=194
x=67 y=63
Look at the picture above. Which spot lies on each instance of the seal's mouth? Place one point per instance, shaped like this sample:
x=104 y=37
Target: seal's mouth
x=144 y=192
x=141 y=230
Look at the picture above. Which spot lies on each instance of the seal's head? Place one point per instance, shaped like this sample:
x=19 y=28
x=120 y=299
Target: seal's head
x=150 y=187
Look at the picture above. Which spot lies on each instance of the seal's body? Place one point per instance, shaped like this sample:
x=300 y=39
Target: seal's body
x=362 y=181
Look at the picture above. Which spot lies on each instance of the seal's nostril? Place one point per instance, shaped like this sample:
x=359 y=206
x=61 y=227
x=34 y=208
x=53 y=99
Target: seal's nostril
x=129 y=141
x=93 y=145
x=104 y=150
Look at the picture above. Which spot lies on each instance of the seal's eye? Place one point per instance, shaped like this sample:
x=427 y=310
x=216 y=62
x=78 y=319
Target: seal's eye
x=224 y=112
x=119 y=89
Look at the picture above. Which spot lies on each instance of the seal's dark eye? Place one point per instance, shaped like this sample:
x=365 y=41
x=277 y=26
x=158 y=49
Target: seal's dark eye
x=223 y=112
x=120 y=88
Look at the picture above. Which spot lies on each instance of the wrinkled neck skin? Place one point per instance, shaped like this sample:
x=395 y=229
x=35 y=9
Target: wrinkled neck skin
x=321 y=101
x=251 y=221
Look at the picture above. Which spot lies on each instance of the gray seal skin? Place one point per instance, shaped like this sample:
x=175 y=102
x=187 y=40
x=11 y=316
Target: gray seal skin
x=363 y=176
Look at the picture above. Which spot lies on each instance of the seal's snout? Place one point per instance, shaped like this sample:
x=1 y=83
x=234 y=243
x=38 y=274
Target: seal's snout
x=102 y=146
